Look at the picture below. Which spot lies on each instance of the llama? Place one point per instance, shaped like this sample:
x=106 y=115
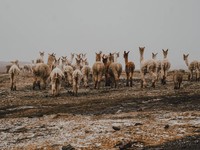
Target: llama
x=56 y=77
x=116 y=56
x=129 y=69
x=51 y=60
x=77 y=77
x=177 y=78
x=28 y=67
x=158 y=64
x=86 y=70
x=41 y=59
x=147 y=66
x=165 y=66
x=193 y=67
x=14 y=72
x=97 y=70
x=41 y=72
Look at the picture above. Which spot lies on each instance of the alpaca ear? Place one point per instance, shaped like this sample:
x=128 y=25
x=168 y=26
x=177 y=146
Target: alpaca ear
x=128 y=51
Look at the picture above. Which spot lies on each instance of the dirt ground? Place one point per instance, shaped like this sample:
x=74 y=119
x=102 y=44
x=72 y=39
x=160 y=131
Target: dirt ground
x=122 y=118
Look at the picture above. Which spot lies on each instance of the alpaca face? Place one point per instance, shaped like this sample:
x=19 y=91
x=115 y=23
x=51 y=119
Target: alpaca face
x=42 y=53
x=141 y=50
x=185 y=57
x=165 y=52
x=154 y=55
x=126 y=54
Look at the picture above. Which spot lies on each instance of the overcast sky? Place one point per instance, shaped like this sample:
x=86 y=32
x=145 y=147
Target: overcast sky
x=88 y=26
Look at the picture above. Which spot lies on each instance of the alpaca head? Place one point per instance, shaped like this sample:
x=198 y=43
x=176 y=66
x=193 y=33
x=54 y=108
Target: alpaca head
x=165 y=52
x=154 y=55
x=111 y=57
x=41 y=53
x=98 y=56
x=141 y=49
x=185 y=57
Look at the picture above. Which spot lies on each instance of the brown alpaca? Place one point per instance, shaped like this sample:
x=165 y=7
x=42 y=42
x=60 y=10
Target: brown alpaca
x=194 y=67
x=51 y=60
x=129 y=69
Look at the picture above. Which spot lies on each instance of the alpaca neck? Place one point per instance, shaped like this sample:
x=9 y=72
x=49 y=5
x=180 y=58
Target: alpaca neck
x=126 y=60
x=187 y=62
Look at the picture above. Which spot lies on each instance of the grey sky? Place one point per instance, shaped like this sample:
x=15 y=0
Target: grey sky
x=65 y=26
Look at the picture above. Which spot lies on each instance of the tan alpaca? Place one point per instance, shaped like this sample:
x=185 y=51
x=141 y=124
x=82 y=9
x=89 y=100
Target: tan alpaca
x=194 y=67
x=97 y=70
x=147 y=66
x=129 y=69
x=177 y=78
x=114 y=69
x=51 y=61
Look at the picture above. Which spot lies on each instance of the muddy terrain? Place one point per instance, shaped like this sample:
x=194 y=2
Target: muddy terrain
x=122 y=118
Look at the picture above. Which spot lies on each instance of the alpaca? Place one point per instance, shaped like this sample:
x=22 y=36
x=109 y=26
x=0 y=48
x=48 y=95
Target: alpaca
x=51 y=60
x=86 y=70
x=115 y=70
x=56 y=77
x=41 y=72
x=28 y=67
x=158 y=64
x=68 y=71
x=97 y=70
x=14 y=72
x=177 y=78
x=41 y=59
x=147 y=66
x=116 y=56
x=77 y=77
x=165 y=66
x=78 y=64
x=129 y=69
x=194 y=66
x=106 y=63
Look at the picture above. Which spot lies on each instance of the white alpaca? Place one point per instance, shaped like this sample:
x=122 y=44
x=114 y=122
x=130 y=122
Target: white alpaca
x=14 y=72
x=56 y=77
x=165 y=66
x=147 y=66
x=77 y=77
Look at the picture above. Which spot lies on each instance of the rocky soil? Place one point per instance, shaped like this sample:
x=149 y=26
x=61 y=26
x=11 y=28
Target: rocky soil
x=122 y=118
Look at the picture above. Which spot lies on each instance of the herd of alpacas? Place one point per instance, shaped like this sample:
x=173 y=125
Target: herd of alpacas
x=57 y=70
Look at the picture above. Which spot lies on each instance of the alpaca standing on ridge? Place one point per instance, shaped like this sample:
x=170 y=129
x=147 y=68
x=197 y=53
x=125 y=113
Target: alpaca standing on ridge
x=165 y=66
x=147 y=66
x=129 y=69
x=194 y=67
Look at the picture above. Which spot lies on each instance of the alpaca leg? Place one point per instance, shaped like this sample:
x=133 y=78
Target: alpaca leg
x=95 y=81
x=143 y=81
x=131 y=79
x=127 y=79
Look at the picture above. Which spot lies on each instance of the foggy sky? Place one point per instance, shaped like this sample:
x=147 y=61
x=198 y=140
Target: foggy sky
x=88 y=26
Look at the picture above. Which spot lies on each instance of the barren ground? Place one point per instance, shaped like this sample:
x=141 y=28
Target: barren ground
x=160 y=118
